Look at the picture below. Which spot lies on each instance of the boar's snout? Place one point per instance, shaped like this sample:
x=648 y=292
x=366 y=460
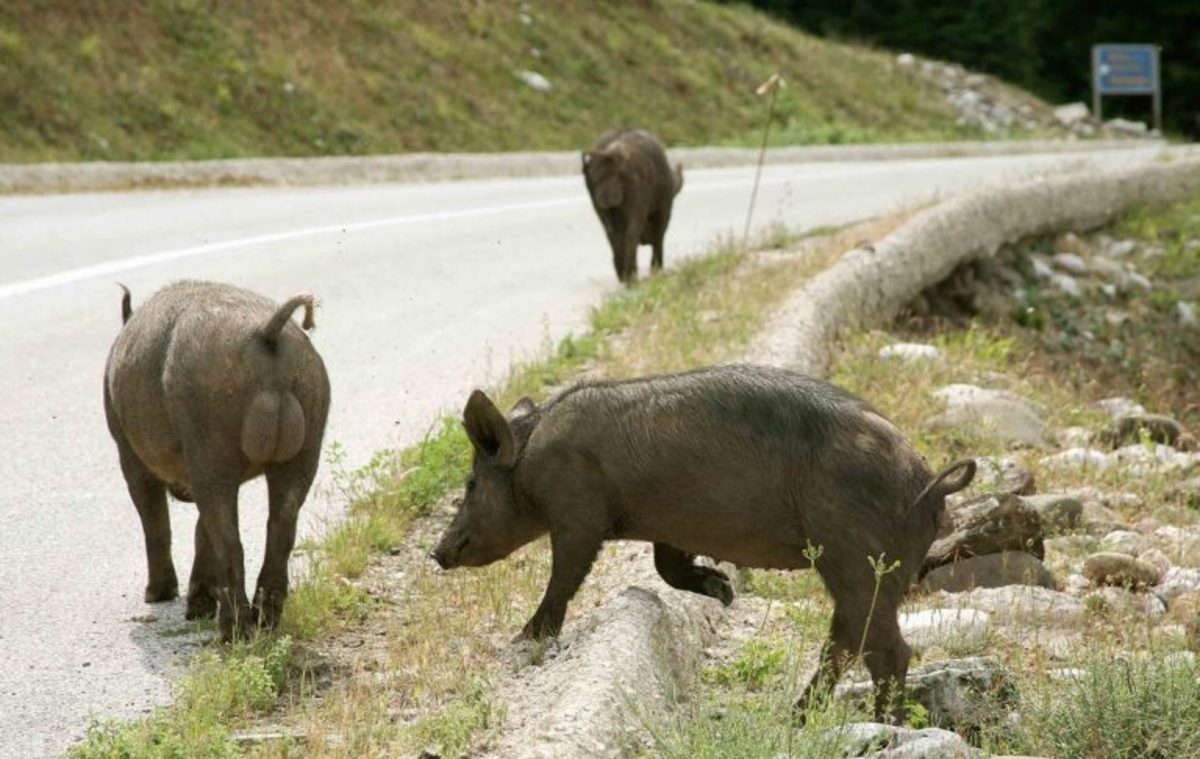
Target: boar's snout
x=448 y=551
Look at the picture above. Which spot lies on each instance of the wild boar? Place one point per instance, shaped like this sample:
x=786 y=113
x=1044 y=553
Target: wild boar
x=632 y=188
x=208 y=386
x=757 y=466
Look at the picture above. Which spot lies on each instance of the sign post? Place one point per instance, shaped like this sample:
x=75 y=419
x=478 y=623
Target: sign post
x=1126 y=70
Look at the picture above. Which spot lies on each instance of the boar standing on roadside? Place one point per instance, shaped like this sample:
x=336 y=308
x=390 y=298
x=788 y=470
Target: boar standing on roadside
x=632 y=188
x=746 y=464
x=208 y=386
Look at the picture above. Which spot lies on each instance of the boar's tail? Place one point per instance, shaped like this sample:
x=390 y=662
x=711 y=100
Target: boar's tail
x=126 y=303
x=273 y=428
x=270 y=332
x=941 y=485
x=678 y=178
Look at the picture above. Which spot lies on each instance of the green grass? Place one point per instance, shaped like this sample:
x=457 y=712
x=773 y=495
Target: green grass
x=173 y=79
x=1136 y=706
x=222 y=688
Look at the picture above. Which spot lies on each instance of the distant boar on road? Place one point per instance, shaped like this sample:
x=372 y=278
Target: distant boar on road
x=752 y=465
x=208 y=386
x=632 y=188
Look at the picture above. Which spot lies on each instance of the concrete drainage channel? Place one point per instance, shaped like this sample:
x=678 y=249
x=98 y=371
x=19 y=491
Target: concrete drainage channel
x=430 y=167
x=641 y=648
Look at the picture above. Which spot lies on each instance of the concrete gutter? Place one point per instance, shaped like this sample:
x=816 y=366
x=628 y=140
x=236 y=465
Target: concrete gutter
x=641 y=648
x=429 y=167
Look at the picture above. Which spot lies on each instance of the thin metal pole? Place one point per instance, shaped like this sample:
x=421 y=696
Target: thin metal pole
x=774 y=83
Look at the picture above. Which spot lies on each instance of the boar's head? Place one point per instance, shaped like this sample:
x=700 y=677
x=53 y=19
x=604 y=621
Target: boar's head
x=491 y=523
x=603 y=172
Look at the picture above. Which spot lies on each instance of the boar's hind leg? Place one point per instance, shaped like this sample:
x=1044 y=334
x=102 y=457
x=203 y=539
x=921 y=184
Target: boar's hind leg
x=217 y=502
x=572 y=555
x=835 y=654
x=149 y=495
x=287 y=484
x=680 y=571
x=883 y=649
x=202 y=586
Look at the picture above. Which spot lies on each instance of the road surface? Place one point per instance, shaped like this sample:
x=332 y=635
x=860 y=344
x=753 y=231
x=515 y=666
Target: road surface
x=427 y=291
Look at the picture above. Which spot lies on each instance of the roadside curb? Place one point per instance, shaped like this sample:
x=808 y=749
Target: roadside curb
x=430 y=167
x=640 y=649
x=869 y=286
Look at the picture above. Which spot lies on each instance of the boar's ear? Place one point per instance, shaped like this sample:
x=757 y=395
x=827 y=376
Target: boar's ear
x=488 y=429
x=523 y=407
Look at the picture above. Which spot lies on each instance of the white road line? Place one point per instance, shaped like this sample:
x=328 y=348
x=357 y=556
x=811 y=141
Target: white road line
x=108 y=268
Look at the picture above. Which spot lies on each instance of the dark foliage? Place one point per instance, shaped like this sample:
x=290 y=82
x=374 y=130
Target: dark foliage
x=1043 y=45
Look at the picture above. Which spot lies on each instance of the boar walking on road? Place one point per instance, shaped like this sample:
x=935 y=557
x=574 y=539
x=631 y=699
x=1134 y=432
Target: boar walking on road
x=632 y=188
x=751 y=465
x=208 y=386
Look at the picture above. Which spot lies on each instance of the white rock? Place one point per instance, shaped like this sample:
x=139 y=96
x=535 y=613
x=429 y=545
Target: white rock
x=947 y=629
x=1076 y=584
x=1018 y=604
x=1067 y=284
x=1182 y=546
x=1071 y=113
x=1185 y=312
x=1009 y=417
x=1125 y=541
x=905 y=59
x=1135 y=281
x=1144 y=459
x=1073 y=437
x=1120 y=248
x=1077 y=458
x=1070 y=263
x=1066 y=674
x=1157 y=558
x=1118 y=407
x=1176 y=581
x=1041 y=267
x=535 y=80
x=910 y=351
x=1125 y=126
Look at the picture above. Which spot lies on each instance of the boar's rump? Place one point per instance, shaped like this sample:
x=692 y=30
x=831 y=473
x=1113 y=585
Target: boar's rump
x=208 y=386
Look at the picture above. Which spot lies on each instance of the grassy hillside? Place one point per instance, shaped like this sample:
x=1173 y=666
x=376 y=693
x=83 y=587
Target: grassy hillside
x=169 y=79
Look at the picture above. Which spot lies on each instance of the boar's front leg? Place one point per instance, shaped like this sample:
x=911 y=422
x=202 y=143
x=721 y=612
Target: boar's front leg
x=287 y=487
x=572 y=554
x=680 y=571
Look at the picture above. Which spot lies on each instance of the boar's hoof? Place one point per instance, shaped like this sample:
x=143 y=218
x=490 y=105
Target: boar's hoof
x=163 y=590
x=201 y=604
x=268 y=607
x=717 y=586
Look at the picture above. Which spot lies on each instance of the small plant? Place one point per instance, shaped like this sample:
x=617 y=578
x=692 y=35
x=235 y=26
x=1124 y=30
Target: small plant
x=755 y=663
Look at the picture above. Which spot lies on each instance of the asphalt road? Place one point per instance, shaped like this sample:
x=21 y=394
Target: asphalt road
x=427 y=290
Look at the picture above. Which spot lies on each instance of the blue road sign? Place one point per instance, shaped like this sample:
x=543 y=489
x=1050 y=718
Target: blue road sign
x=1125 y=69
